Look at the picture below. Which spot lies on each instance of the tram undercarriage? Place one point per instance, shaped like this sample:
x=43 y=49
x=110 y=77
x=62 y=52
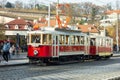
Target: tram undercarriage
x=66 y=59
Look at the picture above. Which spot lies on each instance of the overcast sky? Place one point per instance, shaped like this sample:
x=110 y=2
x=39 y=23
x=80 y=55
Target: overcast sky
x=98 y=2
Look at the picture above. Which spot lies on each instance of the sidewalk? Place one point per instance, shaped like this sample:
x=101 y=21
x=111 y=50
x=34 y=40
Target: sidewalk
x=22 y=59
x=116 y=54
x=15 y=60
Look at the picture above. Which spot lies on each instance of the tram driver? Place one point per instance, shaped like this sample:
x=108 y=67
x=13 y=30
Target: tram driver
x=37 y=39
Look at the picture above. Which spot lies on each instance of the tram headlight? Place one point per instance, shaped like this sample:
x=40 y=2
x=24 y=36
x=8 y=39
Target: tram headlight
x=35 y=52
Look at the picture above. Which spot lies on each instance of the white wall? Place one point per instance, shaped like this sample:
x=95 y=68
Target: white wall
x=5 y=19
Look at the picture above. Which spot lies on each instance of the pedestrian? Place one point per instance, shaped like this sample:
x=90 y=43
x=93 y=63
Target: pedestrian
x=6 y=47
x=1 y=46
x=17 y=49
x=12 y=50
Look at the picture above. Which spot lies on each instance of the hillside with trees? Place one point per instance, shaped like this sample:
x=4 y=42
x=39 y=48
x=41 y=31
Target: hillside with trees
x=90 y=13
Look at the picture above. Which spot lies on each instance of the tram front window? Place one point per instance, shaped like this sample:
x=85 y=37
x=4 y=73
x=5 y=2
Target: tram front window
x=35 y=39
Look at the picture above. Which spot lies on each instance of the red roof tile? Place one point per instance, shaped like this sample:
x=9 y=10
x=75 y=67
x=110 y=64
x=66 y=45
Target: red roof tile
x=17 y=21
x=86 y=28
x=112 y=11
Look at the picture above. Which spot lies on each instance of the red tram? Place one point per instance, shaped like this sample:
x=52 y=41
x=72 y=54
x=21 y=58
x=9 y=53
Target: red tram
x=60 y=45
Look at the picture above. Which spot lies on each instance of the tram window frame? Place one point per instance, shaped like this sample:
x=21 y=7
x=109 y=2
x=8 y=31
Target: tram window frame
x=28 y=38
x=50 y=39
x=110 y=42
x=98 y=41
x=103 y=42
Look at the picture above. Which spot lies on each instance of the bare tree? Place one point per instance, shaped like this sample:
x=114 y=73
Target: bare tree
x=2 y=3
x=18 y=4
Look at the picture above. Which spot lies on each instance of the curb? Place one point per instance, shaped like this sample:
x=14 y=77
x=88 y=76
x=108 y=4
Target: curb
x=8 y=65
x=18 y=59
x=14 y=63
x=116 y=56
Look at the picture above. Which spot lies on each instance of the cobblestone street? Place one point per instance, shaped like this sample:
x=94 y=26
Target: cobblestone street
x=90 y=70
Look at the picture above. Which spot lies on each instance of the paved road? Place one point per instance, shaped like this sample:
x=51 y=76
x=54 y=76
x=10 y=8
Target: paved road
x=90 y=70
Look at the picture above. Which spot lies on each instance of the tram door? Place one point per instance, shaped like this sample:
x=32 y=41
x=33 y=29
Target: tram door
x=87 y=45
x=92 y=49
x=55 y=46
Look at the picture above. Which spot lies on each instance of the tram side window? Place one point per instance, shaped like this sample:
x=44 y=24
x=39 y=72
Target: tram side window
x=77 y=40
x=82 y=40
x=67 y=39
x=72 y=39
x=44 y=38
x=62 y=39
x=35 y=38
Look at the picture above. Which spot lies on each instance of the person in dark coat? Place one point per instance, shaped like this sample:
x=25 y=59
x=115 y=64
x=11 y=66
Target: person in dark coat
x=6 y=47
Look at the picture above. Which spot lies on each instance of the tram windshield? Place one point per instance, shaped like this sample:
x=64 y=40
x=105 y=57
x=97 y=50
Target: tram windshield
x=35 y=38
x=41 y=38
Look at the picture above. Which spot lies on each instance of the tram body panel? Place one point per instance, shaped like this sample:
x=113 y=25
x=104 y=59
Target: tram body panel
x=41 y=51
x=104 y=51
x=71 y=50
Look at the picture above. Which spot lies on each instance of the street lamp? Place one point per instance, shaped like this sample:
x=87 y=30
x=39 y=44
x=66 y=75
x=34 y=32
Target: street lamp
x=49 y=15
x=117 y=37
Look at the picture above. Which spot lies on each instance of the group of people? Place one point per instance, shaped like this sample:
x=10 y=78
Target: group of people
x=6 y=49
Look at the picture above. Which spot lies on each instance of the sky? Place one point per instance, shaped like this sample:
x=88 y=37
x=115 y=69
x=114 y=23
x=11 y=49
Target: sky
x=98 y=2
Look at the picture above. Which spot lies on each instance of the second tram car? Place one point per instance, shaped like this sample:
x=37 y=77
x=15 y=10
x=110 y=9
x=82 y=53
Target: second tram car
x=60 y=45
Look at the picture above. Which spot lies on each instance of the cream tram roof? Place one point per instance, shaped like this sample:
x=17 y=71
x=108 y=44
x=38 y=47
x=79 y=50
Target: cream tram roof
x=50 y=30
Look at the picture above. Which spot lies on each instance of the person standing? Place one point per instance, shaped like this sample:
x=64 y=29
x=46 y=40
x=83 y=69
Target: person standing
x=6 y=47
x=12 y=50
x=1 y=46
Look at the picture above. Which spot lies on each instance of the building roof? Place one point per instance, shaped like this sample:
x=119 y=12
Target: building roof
x=17 y=21
x=112 y=11
x=88 y=28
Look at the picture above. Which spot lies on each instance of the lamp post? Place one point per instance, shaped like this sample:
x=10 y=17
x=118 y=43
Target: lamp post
x=117 y=37
x=49 y=15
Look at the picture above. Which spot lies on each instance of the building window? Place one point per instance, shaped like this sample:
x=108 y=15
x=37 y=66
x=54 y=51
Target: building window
x=16 y=27
x=6 y=26
x=26 y=27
